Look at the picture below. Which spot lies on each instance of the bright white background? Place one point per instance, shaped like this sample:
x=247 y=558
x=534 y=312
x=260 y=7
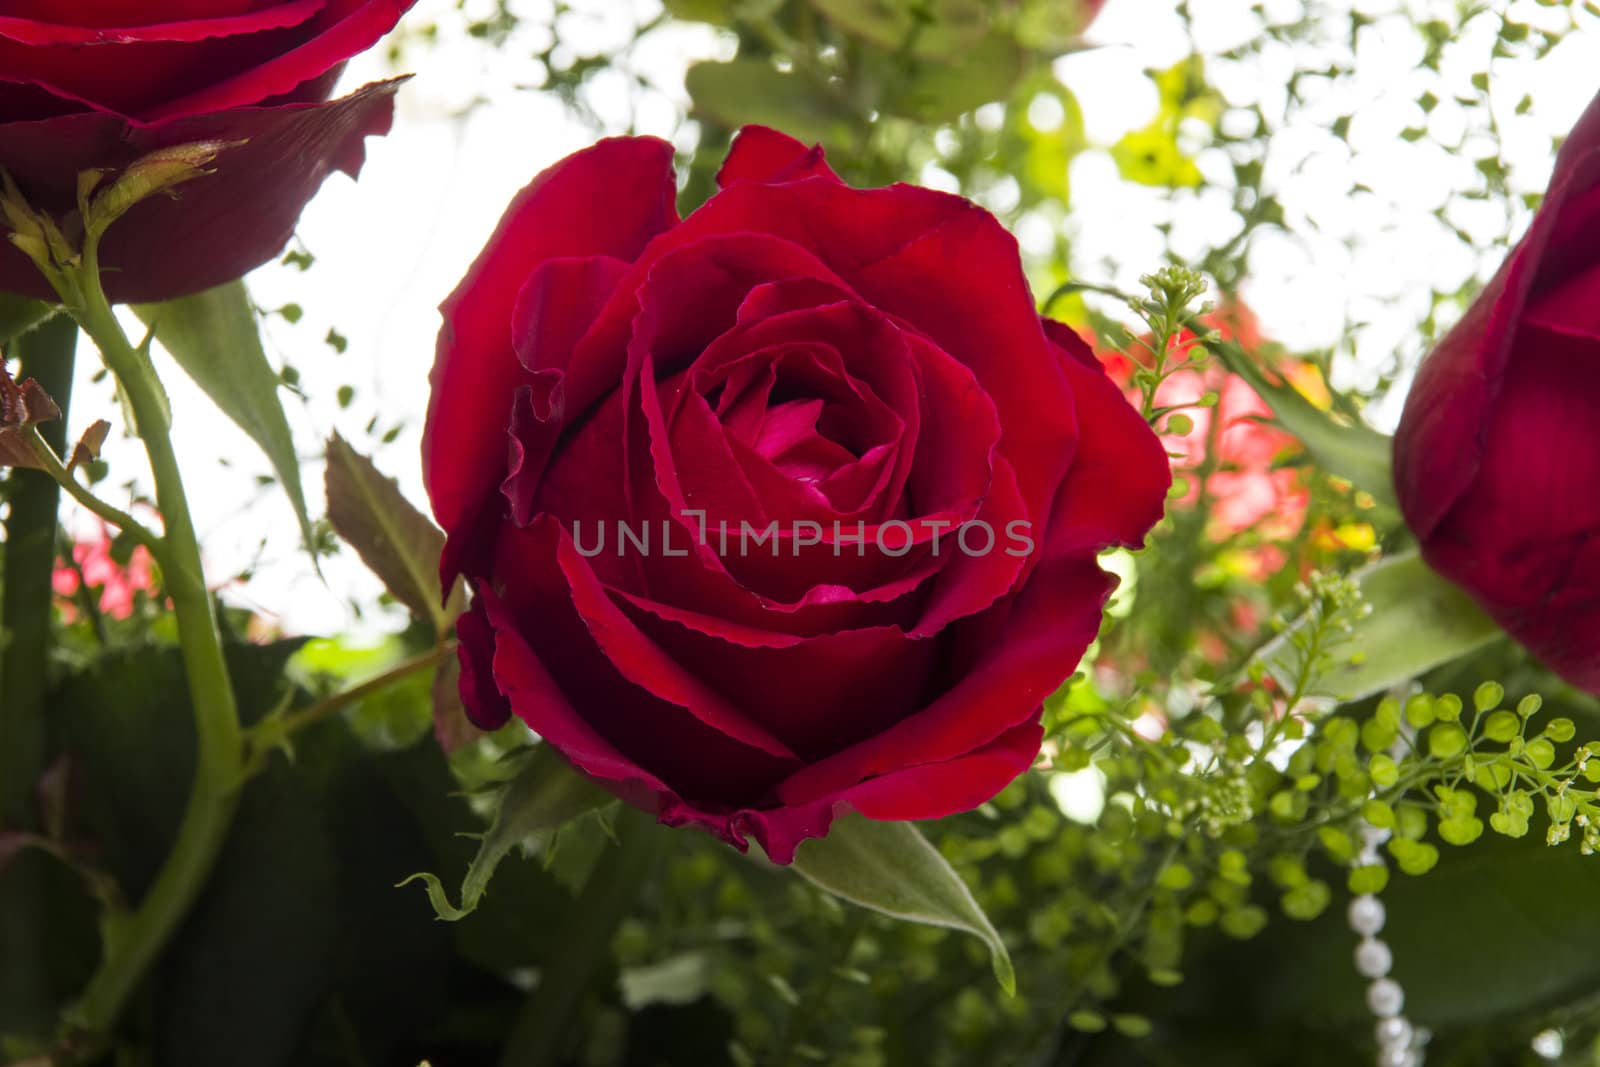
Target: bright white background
x=387 y=251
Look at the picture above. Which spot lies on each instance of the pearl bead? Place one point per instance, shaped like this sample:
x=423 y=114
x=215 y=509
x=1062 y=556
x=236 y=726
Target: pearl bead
x=1549 y=1044
x=1396 y=1057
x=1366 y=915
x=1373 y=958
x=1385 y=998
x=1395 y=1030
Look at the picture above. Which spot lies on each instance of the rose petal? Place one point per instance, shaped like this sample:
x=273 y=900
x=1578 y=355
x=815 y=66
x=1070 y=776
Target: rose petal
x=760 y=154
x=1514 y=536
x=553 y=311
x=934 y=790
x=180 y=68
x=168 y=26
x=818 y=694
x=539 y=605
x=1117 y=488
x=540 y=702
x=941 y=264
x=476 y=371
x=226 y=223
x=127 y=12
x=986 y=556
x=929 y=791
x=475 y=650
x=1033 y=643
x=1439 y=443
x=342 y=29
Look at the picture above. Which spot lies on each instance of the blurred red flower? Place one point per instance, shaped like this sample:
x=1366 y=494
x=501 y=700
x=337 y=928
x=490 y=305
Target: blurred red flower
x=118 y=583
x=1245 y=489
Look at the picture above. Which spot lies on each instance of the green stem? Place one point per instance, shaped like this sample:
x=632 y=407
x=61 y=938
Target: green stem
x=30 y=542
x=213 y=797
x=44 y=451
x=30 y=546
x=273 y=731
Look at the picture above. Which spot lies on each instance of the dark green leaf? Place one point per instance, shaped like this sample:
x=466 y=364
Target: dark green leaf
x=931 y=29
x=717 y=12
x=890 y=868
x=1052 y=25
x=18 y=315
x=128 y=731
x=215 y=338
x=982 y=74
x=399 y=543
x=753 y=91
x=1493 y=931
x=256 y=954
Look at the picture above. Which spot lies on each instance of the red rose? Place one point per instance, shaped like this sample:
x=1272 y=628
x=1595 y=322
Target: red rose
x=95 y=84
x=1497 y=458
x=795 y=353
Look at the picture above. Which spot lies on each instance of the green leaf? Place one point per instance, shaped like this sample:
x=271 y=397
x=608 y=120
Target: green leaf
x=1495 y=931
x=891 y=868
x=545 y=795
x=928 y=29
x=1355 y=452
x=258 y=949
x=399 y=543
x=680 y=979
x=753 y=91
x=18 y=315
x=126 y=726
x=716 y=12
x=215 y=338
x=1152 y=156
x=1418 y=621
x=939 y=92
x=1052 y=25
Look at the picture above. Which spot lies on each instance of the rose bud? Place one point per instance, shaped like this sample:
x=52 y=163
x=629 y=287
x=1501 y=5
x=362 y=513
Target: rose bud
x=1497 y=456
x=95 y=85
x=788 y=508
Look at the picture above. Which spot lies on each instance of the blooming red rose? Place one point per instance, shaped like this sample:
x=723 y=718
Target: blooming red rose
x=95 y=84
x=1497 y=458
x=809 y=402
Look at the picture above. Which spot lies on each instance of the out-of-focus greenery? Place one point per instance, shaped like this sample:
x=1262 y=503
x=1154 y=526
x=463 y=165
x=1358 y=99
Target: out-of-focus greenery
x=1170 y=881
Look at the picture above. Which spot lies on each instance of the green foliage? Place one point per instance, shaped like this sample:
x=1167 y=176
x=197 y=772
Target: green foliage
x=890 y=868
x=1411 y=621
x=1167 y=886
x=1346 y=448
x=400 y=544
x=544 y=795
x=18 y=315
x=749 y=91
x=1155 y=154
x=215 y=338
